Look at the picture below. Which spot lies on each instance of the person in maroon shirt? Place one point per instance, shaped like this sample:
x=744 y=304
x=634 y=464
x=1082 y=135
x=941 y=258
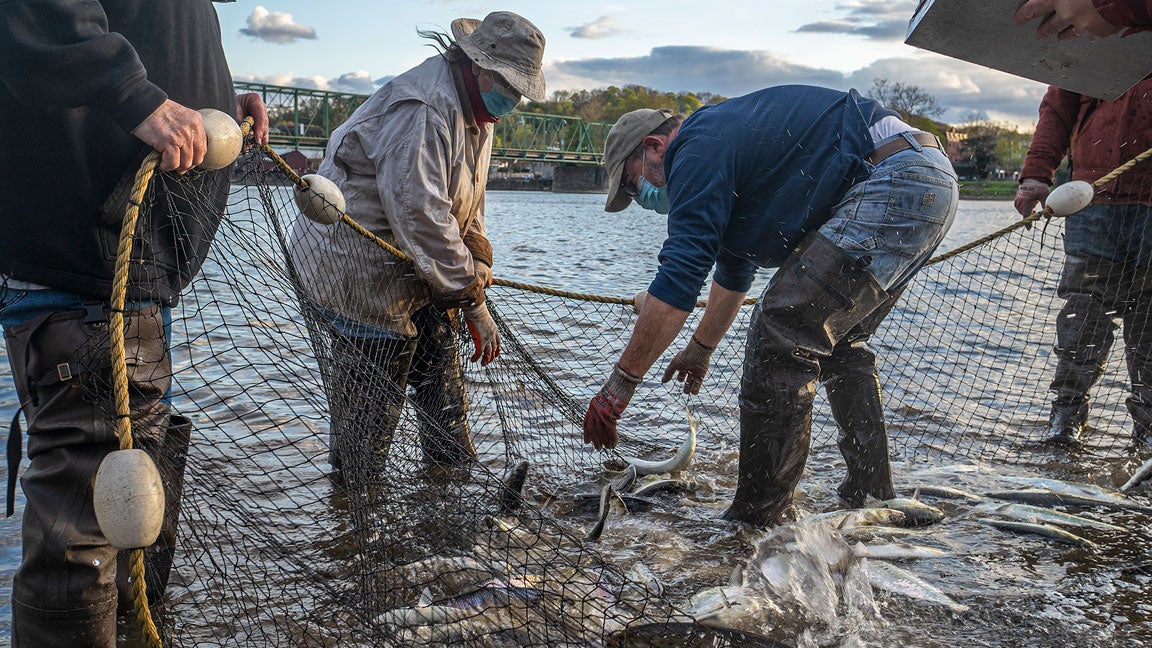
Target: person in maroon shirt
x=1107 y=271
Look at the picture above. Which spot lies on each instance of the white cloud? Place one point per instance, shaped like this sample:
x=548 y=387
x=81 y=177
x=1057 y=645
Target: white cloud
x=358 y=82
x=276 y=27
x=873 y=19
x=961 y=88
x=602 y=27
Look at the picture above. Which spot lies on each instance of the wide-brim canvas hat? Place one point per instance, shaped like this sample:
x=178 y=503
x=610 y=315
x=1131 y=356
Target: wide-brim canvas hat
x=507 y=44
x=626 y=134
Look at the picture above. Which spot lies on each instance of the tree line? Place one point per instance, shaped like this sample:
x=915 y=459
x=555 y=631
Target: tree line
x=980 y=147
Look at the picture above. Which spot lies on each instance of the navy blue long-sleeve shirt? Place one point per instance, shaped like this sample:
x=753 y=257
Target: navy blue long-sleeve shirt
x=749 y=177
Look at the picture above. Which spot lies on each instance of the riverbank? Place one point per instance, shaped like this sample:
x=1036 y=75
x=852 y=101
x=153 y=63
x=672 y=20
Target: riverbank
x=988 y=189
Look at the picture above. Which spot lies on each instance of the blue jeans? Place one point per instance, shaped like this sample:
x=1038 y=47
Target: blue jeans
x=18 y=306
x=899 y=214
x=1117 y=233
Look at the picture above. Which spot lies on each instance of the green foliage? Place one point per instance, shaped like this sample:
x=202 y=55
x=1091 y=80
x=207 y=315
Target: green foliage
x=608 y=104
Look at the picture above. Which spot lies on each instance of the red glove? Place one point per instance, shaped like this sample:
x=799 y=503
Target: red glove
x=606 y=408
x=485 y=337
x=690 y=366
x=1032 y=192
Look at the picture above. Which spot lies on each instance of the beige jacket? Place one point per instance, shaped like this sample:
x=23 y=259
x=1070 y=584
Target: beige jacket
x=412 y=164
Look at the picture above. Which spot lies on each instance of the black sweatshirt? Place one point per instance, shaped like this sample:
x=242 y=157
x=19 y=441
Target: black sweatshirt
x=76 y=77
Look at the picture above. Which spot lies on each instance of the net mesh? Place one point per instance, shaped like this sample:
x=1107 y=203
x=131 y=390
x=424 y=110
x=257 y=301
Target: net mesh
x=413 y=541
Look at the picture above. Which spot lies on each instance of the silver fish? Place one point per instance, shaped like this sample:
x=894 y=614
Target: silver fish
x=1029 y=513
x=947 y=492
x=889 y=577
x=1045 y=497
x=916 y=513
x=1056 y=533
x=848 y=518
x=728 y=605
x=1080 y=489
x=512 y=490
x=662 y=486
x=606 y=493
x=678 y=462
x=895 y=551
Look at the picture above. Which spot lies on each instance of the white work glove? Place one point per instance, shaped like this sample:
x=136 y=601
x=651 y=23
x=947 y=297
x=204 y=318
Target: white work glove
x=1032 y=192
x=485 y=337
x=690 y=366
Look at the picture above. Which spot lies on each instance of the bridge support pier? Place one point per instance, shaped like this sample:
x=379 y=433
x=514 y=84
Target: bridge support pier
x=579 y=178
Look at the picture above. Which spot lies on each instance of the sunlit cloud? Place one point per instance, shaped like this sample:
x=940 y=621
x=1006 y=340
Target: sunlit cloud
x=276 y=27
x=602 y=27
x=873 y=19
x=961 y=88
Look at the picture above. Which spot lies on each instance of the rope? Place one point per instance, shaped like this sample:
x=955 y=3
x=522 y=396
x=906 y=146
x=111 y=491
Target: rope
x=120 y=367
x=1026 y=222
x=120 y=376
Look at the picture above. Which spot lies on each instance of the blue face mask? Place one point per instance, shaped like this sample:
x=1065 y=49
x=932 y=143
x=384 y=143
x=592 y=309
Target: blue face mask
x=649 y=196
x=497 y=103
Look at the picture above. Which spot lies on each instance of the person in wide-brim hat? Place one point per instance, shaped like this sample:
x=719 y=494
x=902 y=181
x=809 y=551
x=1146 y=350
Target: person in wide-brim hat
x=507 y=44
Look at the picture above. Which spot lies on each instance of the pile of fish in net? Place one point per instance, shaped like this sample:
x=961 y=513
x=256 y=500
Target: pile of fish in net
x=540 y=541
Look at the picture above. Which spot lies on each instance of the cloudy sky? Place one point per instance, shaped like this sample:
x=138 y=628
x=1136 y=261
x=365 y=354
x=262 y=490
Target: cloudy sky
x=724 y=47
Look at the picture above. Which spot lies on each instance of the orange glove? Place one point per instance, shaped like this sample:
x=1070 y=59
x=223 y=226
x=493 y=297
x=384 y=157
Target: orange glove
x=485 y=336
x=607 y=407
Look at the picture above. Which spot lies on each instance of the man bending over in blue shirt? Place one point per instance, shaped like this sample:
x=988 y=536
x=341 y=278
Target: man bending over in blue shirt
x=839 y=194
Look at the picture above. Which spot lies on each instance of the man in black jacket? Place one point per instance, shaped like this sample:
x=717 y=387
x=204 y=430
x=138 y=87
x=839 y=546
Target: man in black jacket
x=87 y=89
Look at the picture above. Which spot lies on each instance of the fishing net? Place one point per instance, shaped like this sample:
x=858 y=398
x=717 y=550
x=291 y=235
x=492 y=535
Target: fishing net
x=466 y=510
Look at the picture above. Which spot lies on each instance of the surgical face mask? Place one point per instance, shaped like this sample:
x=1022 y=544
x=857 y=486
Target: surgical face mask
x=649 y=196
x=497 y=103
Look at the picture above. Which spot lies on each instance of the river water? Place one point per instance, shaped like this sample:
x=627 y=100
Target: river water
x=1024 y=591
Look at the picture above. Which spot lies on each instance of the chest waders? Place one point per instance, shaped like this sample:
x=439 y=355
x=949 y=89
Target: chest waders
x=811 y=324
x=65 y=591
x=370 y=379
x=1096 y=292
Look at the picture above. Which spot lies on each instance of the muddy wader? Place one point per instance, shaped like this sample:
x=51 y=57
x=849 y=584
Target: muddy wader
x=810 y=323
x=373 y=376
x=65 y=591
x=1096 y=291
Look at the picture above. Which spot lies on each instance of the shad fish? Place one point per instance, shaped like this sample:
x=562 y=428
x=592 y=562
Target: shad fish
x=889 y=577
x=1045 y=497
x=1029 y=513
x=1047 y=530
x=916 y=513
x=848 y=518
x=947 y=492
x=895 y=551
x=678 y=462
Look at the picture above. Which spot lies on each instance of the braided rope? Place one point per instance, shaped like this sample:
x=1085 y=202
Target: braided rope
x=120 y=376
x=120 y=367
x=1027 y=221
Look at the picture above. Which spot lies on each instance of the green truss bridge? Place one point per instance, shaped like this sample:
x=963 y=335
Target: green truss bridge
x=304 y=119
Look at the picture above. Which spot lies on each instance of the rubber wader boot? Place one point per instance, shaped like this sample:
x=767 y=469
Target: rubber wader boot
x=437 y=382
x=1085 y=331
x=853 y=388
x=812 y=302
x=368 y=401
x=64 y=594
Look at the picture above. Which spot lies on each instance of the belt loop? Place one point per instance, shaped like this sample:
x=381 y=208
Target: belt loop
x=911 y=137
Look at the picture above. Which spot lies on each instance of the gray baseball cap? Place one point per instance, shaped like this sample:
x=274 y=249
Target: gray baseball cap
x=507 y=44
x=625 y=136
